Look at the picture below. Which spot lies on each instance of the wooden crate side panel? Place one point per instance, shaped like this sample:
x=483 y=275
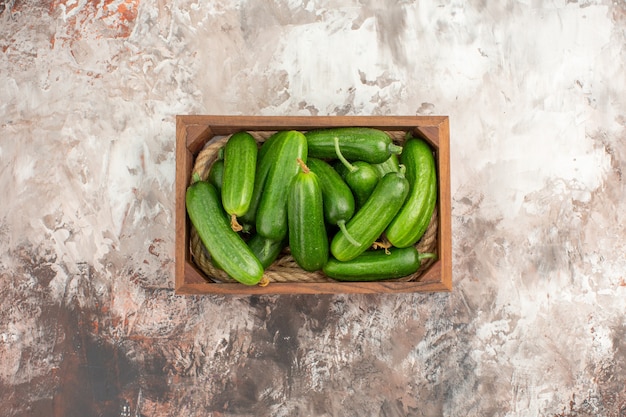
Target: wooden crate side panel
x=184 y=160
x=445 y=206
x=194 y=131
x=312 y=288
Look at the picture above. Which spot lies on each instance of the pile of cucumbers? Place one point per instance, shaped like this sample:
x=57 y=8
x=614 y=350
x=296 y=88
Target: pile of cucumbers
x=347 y=201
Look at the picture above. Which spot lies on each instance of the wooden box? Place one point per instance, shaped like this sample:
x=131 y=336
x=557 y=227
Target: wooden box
x=194 y=132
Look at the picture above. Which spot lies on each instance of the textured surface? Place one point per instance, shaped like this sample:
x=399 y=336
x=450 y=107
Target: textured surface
x=89 y=324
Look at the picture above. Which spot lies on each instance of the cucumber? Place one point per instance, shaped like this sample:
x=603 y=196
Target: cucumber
x=267 y=145
x=216 y=178
x=240 y=158
x=271 y=218
x=413 y=219
x=305 y=212
x=357 y=143
x=337 y=197
x=360 y=176
x=390 y=165
x=266 y=250
x=216 y=174
x=225 y=246
x=369 y=222
x=375 y=265
x=265 y=160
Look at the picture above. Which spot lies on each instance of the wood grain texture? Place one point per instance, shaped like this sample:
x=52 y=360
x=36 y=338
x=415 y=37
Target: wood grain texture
x=194 y=131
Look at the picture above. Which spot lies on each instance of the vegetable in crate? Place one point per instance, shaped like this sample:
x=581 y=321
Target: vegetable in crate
x=369 y=222
x=375 y=265
x=390 y=165
x=307 y=232
x=216 y=174
x=266 y=250
x=225 y=246
x=271 y=218
x=360 y=176
x=414 y=217
x=357 y=144
x=337 y=197
x=240 y=159
x=265 y=160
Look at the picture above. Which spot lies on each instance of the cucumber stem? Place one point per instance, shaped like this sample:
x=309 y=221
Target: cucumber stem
x=342 y=227
x=427 y=255
x=195 y=177
x=402 y=169
x=343 y=160
x=383 y=243
x=234 y=224
x=395 y=149
x=305 y=168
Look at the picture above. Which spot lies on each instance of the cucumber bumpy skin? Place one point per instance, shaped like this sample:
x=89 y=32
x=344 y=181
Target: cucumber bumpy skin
x=390 y=165
x=370 y=221
x=308 y=240
x=357 y=143
x=411 y=222
x=271 y=218
x=376 y=265
x=240 y=160
x=266 y=250
x=265 y=160
x=216 y=174
x=225 y=246
x=337 y=197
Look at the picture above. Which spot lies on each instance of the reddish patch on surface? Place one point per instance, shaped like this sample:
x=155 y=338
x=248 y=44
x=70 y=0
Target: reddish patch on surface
x=118 y=16
x=126 y=16
x=127 y=11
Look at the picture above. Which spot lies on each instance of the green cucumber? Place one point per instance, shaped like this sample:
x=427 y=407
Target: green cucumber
x=216 y=178
x=225 y=246
x=271 y=218
x=240 y=159
x=266 y=250
x=369 y=222
x=390 y=165
x=265 y=160
x=376 y=265
x=308 y=240
x=337 y=197
x=413 y=219
x=267 y=145
x=360 y=176
x=216 y=174
x=357 y=143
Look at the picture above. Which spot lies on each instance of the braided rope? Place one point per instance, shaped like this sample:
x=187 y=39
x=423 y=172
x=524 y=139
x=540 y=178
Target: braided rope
x=285 y=269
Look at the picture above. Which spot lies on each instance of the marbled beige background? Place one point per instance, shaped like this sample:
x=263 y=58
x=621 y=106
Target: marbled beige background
x=89 y=324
